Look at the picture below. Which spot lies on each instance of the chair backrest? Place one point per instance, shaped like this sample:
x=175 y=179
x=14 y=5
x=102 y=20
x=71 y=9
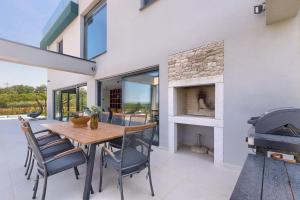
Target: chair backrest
x=25 y=126
x=22 y=120
x=137 y=119
x=105 y=117
x=139 y=138
x=118 y=119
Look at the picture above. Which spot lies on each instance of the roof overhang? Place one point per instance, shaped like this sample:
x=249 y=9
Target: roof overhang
x=278 y=10
x=33 y=56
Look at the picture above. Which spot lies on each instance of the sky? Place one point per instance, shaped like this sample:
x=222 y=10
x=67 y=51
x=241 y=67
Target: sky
x=22 y=21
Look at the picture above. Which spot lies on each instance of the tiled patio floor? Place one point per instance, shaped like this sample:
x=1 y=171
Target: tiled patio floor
x=175 y=176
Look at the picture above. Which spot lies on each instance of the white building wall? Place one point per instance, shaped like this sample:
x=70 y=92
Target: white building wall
x=261 y=62
x=72 y=45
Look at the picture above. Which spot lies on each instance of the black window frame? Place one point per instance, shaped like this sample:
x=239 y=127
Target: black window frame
x=90 y=14
x=146 y=3
x=60 y=90
x=60 y=48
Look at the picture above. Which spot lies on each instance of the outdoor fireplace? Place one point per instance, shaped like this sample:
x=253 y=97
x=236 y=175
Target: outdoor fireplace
x=197 y=100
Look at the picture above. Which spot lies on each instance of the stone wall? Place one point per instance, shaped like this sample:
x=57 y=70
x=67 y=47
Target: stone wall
x=200 y=62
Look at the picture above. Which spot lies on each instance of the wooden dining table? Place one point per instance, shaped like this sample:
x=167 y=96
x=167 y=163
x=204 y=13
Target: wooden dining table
x=86 y=136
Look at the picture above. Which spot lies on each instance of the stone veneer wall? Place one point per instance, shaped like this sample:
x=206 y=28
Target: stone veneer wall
x=200 y=62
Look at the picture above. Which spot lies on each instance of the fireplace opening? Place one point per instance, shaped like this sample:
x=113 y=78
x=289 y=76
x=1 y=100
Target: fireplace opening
x=196 y=139
x=196 y=100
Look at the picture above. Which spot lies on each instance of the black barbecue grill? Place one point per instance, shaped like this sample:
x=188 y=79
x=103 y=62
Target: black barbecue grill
x=276 y=130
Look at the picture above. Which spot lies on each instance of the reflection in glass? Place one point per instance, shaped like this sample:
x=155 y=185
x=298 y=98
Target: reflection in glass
x=82 y=98
x=57 y=96
x=141 y=95
x=95 y=32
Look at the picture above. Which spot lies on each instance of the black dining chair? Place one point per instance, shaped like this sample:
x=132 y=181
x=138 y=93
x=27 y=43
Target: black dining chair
x=47 y=137
x=137 y=119
x=49 y=166
x=49 y=143
x=105 y=117
x=134 y=120
x=117 y=119
x=133 y=157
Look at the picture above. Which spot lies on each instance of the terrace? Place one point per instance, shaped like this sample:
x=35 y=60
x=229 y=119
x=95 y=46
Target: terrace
x=174 y=175
x=198 y=126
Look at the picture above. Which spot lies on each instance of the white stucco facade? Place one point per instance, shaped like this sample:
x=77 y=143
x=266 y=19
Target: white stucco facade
x=261 y=62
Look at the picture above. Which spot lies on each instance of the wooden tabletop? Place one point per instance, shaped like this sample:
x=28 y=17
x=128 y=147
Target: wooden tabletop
x=105 y=132
x=263 y=178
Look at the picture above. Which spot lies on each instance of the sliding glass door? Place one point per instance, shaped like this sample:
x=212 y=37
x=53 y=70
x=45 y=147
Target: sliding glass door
x=132 y=94
x=141 y=96
x=82 y=98
x=68 y=101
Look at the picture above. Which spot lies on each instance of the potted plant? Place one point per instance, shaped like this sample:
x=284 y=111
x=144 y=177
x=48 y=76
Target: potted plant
x=79 y=120
x=94 y=113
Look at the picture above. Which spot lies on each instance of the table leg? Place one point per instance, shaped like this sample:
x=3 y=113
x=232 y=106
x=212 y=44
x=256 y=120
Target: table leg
x=89 y=172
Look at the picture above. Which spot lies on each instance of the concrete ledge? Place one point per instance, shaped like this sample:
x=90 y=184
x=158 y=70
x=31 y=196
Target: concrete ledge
x=197 y=81
x=33 y=56
x=195 y=120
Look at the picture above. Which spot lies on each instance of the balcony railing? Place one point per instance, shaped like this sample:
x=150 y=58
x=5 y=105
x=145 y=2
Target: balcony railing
x=64 y=14
x=56 y=14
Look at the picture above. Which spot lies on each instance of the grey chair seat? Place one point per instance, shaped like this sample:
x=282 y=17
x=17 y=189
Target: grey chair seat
x=46 y=140
x=133 y=161
x=51 y=151
x=65 y=163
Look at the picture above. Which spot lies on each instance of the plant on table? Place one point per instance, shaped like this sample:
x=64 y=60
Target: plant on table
x=94 y=113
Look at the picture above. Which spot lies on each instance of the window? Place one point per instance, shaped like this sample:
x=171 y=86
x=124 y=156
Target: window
x=95 y=32
x=61 y=47
x=145 y=3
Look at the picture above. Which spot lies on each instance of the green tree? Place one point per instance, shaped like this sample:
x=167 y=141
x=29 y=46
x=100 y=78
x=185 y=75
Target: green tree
x=21 y=99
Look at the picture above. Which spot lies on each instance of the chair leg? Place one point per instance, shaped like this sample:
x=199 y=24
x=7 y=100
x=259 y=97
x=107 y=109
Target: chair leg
x=87 y=150
x=27 y=156
x=30 y=171
x=101 y=172
x=45 y=187
x=36 y=185
x=76 y=172
x=92 y=190
x=121 y=186
x=29 y=162
x=150 y=180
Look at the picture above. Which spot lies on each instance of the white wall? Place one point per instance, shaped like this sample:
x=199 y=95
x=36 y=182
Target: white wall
x=261 y=62
x=188 y=135
x=72 y=45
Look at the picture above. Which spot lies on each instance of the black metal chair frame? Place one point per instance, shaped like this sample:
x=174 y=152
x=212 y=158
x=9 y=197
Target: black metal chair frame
x=42 y=162
x=105 y=117
x=137 y=167
x=51 y=141
x=117 y=143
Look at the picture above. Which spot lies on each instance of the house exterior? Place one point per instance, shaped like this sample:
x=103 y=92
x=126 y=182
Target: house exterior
x=251 y=61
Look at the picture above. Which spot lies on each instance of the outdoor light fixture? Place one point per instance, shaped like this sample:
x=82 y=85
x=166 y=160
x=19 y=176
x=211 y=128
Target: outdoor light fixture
x=259 y=8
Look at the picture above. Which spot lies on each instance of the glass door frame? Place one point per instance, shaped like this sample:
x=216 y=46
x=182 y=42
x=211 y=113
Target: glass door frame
x=61 y=92
x=126 y=75
x=156 y=143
